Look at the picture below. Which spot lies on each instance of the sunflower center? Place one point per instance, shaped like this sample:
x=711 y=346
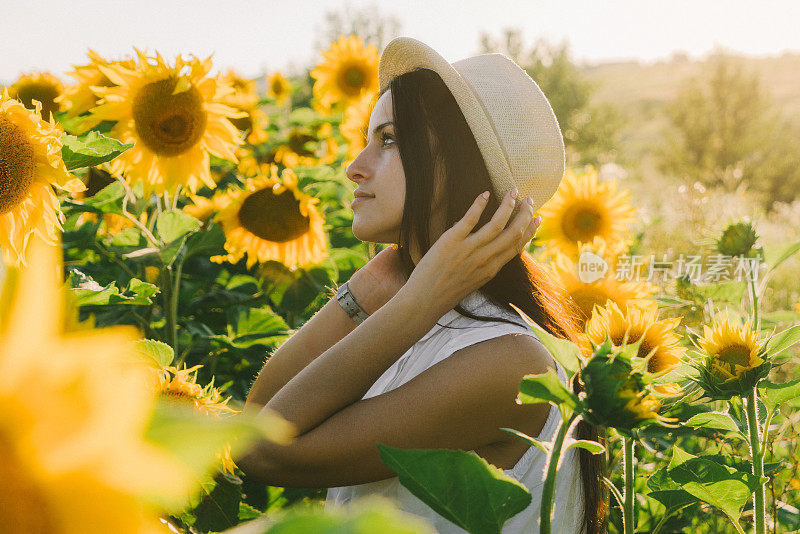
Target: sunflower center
x=168 y=124
x=44 y=93
x=277 y=87
x=352 y=79
x=273 y=217
x=735 y=355
x=16 y=165
x=582 y=222
x=28 y=511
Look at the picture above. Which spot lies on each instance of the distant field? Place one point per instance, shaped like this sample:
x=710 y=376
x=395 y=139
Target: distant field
x=639 y=90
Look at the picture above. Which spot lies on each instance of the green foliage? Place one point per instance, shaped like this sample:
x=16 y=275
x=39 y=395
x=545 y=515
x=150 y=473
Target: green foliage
x=159 y=353
x=546 y=388
x=718 y=421
x=89 y=149
x=87 y=292
x=219 y=509
x=487 y=498
x=366 y=515
x=719 y=485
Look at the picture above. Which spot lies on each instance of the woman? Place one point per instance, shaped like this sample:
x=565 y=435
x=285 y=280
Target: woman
x=438 y=361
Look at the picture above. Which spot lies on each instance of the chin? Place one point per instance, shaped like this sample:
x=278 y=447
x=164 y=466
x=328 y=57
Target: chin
x=366 y=234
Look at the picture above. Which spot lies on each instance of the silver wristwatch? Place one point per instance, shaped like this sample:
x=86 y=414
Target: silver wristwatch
x=349 y=304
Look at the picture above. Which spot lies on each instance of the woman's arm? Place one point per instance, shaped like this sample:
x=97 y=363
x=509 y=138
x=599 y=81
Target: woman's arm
x=372 y=286
x=457 y=264
x=343 y=373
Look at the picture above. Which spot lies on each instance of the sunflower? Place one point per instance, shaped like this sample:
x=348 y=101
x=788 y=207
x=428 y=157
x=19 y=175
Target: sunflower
x=203 y=208
x=174 y=116
x=40 y=86
x=79 y=98
x=244 y=98
x=181 y=384
x=271 y=219
x=278 y=87
x=640 y=404
x=731 y=349
x=347 y=72
x=355 y=125
x=30 y=164
x=658 y=339
x=617 y=395
x=307 y=146
x=797 y=305
x=584 y=209
x=75 y=411
x=251 y=163
x=585 y=296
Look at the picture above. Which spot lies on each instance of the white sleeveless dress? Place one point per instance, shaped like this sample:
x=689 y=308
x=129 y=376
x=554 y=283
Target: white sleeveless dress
x=439 y=343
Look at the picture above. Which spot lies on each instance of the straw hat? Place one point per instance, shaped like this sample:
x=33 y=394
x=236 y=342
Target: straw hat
x=511 y=119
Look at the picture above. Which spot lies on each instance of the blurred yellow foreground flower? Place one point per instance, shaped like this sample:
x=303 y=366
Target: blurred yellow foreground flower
x=75 y=409
x=30 y=163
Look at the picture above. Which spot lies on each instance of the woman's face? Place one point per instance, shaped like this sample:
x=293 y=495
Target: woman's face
x=378 y=171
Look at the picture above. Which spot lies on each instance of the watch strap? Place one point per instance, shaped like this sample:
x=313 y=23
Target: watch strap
x=349 y=304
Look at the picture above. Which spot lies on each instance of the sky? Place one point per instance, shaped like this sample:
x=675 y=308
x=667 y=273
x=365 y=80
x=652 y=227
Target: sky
x=256 y=37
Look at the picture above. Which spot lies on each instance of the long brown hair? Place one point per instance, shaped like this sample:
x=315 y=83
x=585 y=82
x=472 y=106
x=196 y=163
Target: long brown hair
x=434 y=139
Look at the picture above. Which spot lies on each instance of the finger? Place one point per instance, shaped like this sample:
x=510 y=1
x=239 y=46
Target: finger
x=496 y=224
x=533 y=227
x=467 y=223
x=514 y=238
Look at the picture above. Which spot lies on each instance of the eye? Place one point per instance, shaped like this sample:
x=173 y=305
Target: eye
x=385 y=137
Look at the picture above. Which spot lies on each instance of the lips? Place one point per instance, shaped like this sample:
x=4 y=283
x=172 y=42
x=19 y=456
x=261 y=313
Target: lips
x=359 y=199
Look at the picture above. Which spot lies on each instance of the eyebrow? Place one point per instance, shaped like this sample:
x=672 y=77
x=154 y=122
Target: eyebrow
x=379 y=127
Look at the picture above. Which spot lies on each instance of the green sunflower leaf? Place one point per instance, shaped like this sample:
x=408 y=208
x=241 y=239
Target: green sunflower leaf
x=460 y=486
x=715 y=420
x=718 y=485
x=160 y=353
x=776 y=394
x=546 y=387
x=87 y=150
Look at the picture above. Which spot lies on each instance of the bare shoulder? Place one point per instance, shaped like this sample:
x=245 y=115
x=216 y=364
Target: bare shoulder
x=517 y=350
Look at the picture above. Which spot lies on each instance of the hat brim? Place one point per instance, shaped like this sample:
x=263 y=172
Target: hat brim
x=405 y=54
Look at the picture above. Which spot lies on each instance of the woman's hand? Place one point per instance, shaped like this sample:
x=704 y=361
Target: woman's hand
x=378 y=281
x=458 y=263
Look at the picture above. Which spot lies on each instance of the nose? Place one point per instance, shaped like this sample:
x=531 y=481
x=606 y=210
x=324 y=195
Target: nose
x=357 y=169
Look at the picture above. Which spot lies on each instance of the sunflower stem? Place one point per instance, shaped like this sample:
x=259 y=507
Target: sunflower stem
x=627 y=511
x=170 y=308
x=758 y=463
x=549 y=488
x=754 y=299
